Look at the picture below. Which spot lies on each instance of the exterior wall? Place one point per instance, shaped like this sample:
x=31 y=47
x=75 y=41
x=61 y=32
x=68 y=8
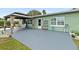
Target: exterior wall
x=35 y=23
x=48 y=27
x=14 y=19
x=72 y=19
x=45 y=19
x=29 y=24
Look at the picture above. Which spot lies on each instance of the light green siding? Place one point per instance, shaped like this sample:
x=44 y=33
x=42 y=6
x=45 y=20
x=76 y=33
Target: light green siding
x=48 y=18
x=72 y=19
x=49 y=23
x=35 y=23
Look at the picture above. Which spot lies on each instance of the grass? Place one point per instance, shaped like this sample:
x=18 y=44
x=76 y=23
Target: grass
x=76 y=42
x=12 y=44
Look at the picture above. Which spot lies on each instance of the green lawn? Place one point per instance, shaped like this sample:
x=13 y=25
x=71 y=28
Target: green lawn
x=12 y=44
x=76 y=42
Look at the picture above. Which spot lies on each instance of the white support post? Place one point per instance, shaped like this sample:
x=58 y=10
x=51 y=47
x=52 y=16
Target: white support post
x=32 y=23
x=12 y=23
x=5 y=25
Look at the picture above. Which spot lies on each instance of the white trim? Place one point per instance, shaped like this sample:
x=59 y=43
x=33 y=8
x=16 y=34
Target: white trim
x=40 y=27
x=57 y=25
x=57 y=21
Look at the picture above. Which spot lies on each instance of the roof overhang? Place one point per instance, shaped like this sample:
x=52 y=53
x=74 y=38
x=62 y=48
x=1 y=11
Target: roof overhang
x=65 y=12
x=18 y=15
x=25 y=16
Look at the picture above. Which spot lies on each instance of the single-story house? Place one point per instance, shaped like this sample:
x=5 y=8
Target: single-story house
x=60 y=21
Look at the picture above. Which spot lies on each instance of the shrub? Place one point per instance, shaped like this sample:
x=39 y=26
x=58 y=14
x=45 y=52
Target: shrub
x=73 y=35
x=7 y=23
x=76 y=32
x=16 y=22
x=1 y=23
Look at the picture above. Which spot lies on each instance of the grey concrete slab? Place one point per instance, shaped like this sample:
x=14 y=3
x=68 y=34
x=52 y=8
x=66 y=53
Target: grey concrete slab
x=45 y=40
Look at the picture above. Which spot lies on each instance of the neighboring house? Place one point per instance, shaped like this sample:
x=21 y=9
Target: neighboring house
x=61 y=21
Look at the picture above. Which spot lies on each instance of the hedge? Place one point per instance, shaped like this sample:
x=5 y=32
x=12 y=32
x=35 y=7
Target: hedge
x=76 y=32
x=7 y=23
x=1 y=23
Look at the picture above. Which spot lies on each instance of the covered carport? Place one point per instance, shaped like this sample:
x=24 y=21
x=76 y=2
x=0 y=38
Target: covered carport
x=16 y=15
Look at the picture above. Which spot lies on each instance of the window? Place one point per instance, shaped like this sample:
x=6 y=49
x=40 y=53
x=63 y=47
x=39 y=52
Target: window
x=45 y=23
x=29 y=21
x=60 y=22
x=53 y=21
x=57 y=21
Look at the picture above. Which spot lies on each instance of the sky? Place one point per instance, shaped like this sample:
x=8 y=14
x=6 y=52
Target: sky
x=6 y=11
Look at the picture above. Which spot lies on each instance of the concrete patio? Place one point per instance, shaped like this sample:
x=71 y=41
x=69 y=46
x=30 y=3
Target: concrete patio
x=45 y=40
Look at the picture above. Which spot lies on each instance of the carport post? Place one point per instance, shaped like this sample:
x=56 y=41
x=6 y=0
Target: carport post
x=32 y=23
x=12 y=23
x=5 y=24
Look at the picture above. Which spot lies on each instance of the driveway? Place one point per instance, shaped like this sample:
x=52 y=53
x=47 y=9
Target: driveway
x=45 y=40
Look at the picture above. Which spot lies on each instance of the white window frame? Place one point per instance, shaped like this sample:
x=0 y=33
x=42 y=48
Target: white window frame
x=52 y=21
x=57 y=22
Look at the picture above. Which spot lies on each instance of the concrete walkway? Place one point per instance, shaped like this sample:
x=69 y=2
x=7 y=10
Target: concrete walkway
x=45 y=40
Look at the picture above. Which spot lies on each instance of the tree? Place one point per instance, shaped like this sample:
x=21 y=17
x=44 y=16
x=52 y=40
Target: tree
x=44 y=12
x=75 y=8
x=34 y=12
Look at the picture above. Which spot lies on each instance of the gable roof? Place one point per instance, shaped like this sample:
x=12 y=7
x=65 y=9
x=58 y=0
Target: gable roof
x=18 y=14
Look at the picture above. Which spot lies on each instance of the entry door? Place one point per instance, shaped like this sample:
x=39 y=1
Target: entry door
x=39 y=23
